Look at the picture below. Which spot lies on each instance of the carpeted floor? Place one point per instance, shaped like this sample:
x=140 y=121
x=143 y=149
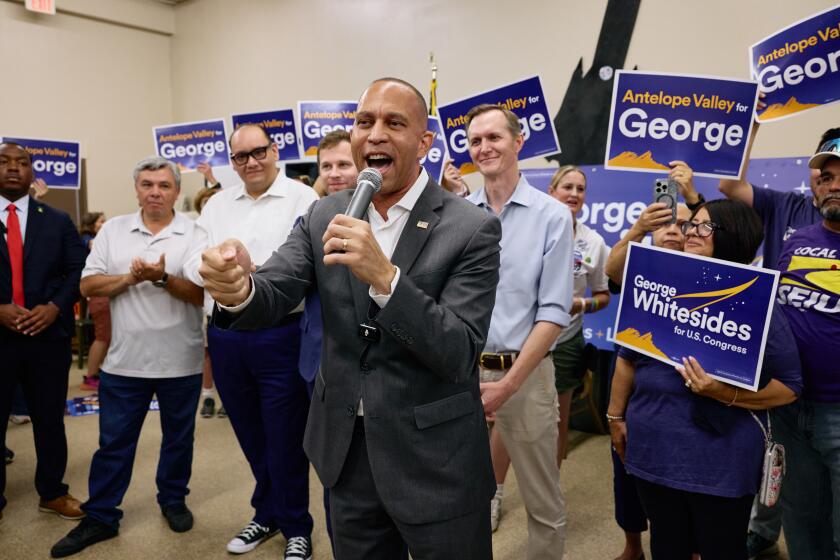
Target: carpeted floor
x=221 y=487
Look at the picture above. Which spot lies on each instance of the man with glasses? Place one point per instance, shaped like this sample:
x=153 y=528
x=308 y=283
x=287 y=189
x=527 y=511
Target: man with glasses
x=809 y=293
x=256 y=372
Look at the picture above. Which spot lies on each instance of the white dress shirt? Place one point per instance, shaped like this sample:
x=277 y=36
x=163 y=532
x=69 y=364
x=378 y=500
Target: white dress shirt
x=262 y=224
x=22 y=205
x=386 y=232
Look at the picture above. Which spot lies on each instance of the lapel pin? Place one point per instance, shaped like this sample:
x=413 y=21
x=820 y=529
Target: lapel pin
x=41 y=209
x=422 y=225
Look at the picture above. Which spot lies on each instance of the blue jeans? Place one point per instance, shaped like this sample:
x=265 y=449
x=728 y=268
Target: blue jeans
x=123 y=403
x=810 y=432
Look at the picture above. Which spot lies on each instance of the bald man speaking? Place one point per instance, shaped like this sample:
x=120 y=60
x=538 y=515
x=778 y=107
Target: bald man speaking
x=396 y=427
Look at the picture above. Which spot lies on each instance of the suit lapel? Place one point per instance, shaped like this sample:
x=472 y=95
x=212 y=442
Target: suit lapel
x=34 y=226
x=418 y=228
x=4 y=247
x=412 y=240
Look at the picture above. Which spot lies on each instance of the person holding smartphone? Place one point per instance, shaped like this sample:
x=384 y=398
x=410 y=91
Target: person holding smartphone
x=691 y=442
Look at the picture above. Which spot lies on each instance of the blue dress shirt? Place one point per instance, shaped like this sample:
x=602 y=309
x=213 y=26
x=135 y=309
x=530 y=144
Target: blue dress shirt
x=536 y=274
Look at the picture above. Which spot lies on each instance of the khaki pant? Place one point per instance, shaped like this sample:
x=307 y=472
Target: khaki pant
x=527 y=423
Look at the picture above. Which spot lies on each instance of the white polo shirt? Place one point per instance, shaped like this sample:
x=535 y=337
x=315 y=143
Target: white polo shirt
x=262 y=224
x=153 y=334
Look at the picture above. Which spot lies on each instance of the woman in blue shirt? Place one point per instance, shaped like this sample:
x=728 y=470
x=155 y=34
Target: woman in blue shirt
x=691 y=440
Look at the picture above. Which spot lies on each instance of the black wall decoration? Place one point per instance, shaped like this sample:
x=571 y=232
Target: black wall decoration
x=584 y=116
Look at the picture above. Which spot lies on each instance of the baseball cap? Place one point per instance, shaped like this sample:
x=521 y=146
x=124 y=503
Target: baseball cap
x=829 y=149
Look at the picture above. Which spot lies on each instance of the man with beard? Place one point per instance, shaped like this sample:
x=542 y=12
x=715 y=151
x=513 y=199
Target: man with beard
x=809 y=292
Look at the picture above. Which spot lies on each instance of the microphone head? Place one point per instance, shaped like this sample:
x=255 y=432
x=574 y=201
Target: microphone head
x=372 y=176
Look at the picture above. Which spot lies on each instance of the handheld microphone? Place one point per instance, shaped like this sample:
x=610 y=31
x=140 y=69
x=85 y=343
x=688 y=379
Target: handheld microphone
x=367 y=184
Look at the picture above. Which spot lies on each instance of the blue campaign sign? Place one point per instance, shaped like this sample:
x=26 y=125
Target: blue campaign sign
x=280 y=125
x=797 y=67
x=436 y=158
x=319 y=118
x=615 y=199
x=57 y=162
x=525 y=99
x=188 y=144
x=674 y=305
x=657 y=118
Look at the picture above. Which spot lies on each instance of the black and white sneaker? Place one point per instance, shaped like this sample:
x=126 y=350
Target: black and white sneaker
x=298 y=548
x=249 y=537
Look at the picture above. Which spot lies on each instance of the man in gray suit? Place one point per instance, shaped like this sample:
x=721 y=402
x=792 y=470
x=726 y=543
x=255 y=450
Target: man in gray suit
x=396 y=427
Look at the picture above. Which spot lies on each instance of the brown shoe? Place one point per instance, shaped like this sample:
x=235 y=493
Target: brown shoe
x=66 y=507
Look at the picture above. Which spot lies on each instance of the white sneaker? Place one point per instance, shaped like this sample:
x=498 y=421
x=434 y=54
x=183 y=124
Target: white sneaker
x=249 y=538
x=495 y=512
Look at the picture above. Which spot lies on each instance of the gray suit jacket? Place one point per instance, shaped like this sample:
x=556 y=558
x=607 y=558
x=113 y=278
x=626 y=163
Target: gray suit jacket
x=424 y=423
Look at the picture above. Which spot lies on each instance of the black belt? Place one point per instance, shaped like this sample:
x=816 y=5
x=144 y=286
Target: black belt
x=489 y=360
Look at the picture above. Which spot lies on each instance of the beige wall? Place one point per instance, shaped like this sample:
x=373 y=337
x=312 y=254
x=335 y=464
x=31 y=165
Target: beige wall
x=230 y=56
x=102 y=84
x=106 y=84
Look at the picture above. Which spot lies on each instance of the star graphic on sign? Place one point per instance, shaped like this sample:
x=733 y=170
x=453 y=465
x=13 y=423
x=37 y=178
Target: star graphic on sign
x=717 y=277
x=599 y=334
x=801 y=188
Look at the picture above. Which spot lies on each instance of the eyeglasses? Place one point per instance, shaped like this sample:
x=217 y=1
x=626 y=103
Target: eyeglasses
x=241 y=158
x=704 y=229
x=827 y=179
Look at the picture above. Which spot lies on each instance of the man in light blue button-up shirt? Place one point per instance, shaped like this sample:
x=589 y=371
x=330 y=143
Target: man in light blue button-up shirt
x=533 y=304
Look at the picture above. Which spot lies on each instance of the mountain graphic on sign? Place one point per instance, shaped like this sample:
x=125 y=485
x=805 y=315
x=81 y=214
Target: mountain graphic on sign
x=777 y=110
x=641 y=341
x=631 y=159
x=467 y=168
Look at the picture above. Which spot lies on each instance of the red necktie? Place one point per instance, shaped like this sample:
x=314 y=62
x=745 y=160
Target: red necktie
x=14 y=240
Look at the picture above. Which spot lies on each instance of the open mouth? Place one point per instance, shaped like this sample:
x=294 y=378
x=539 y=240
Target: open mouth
x=380 y=162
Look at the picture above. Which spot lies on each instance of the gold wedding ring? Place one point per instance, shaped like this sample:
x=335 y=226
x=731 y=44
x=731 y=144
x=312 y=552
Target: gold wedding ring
x=344 y=245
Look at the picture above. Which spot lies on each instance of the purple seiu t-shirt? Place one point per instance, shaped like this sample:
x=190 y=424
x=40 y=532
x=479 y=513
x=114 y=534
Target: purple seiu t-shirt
x=809 y=292
x=782 y=213
x=697 y=444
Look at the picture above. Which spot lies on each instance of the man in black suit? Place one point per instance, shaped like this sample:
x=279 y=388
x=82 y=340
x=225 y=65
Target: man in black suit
x=396 y=427
x=41 y=260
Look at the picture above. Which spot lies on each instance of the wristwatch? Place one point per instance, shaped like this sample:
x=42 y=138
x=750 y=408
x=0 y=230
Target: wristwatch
x=701 y=200
x=162 y=282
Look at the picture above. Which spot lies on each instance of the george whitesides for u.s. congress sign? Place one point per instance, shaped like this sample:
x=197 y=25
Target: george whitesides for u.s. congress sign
x=525 y=99
x=798 y=67
x=188 y=144
x=657 y=118
x=674 y=305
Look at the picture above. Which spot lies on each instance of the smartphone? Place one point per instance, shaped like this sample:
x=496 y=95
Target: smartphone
x=665 y=191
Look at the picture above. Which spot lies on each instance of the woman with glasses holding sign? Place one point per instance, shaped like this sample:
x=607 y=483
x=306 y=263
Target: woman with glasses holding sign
x=693 y=442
